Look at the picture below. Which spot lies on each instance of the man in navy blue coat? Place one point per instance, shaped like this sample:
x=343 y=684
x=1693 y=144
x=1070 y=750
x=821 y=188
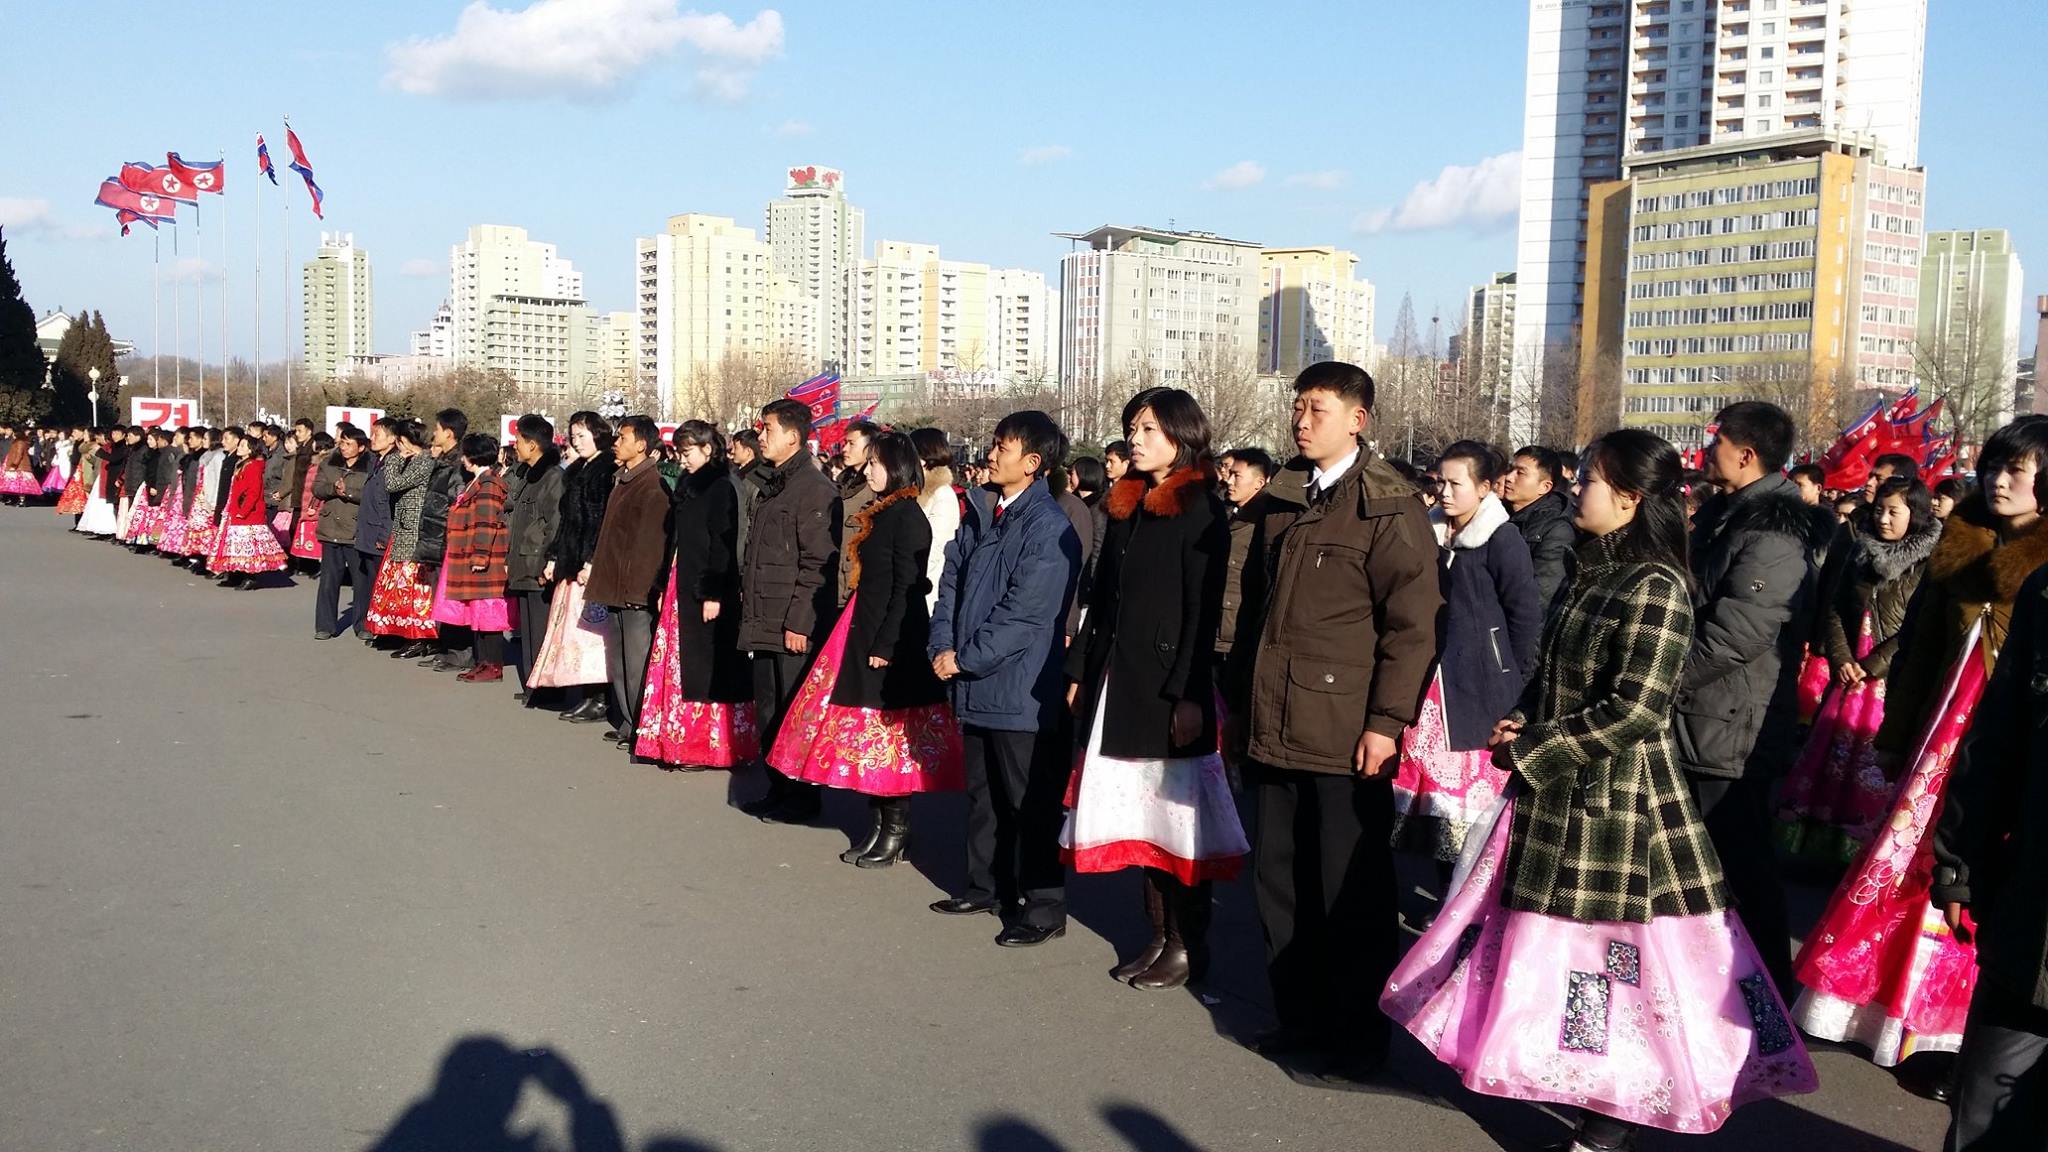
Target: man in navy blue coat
x=998 y=639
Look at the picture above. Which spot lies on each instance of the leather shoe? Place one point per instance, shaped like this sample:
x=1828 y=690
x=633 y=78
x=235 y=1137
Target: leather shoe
x=963 y=906
x=323 y=635
x=1029 y=935
x=414 y=651
x=483 y=674
x=589 y=712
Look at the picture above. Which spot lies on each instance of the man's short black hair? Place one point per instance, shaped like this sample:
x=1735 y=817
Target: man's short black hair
x=748 y=437
x=1254 y=458
x=867 y=429
x=1347 y=380
x=1900 y=464
x=1762 y=427
x=302 y=422
x=1812 y=472
x=1545 y=460
x=454 y=421
x=790 y=415
x=1037 y=433
x=643 y=429
x=535 y=428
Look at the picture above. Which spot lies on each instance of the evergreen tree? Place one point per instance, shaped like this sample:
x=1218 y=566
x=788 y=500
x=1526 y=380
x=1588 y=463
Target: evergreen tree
x=67 y=377
x=21 y=361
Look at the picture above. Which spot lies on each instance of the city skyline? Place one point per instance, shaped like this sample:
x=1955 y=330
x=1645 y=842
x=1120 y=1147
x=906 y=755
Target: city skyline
x=424 y=124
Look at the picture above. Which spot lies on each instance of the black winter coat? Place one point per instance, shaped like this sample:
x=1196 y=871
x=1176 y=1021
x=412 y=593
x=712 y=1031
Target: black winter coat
x=136 y=471
x=163 y=475
x=443 y=487
x=704 y=526
x=188 y=471
x=790 y=577
x=1755 y=568
x=373 y=510
x=532 y=514
x=1151 y=626
x=891 y=547
x=1546 y=527
x=1874 y=578
x=586 y=488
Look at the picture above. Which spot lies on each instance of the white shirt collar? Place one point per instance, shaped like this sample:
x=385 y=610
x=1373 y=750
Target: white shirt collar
x=1006 y=501
x=1320 y=478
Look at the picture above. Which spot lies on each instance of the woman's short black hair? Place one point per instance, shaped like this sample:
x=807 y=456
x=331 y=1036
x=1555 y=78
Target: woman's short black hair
x=933 y=449
x=1954 y=487
x=1180 y=416
x=750 y=438
x=479 y=449
x=1486 y=462
x=898 y=456
x=2015 y=444
x=1919 y=504
x=411 y=432
x=700 y=434
x=322 y=442
x=1090 y=477
x=600 y=428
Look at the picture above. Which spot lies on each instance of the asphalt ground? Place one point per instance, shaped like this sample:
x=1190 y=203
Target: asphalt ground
x=257 y=891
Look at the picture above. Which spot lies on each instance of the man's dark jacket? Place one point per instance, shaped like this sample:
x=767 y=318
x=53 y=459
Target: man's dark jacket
x=1546 y=526
x=790 y=579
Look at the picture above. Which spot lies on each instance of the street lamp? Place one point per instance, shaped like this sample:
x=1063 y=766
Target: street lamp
x=93 y=374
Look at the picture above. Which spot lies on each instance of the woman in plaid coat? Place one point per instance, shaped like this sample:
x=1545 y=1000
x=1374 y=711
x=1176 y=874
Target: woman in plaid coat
x=1589 y=955
x=472 y=588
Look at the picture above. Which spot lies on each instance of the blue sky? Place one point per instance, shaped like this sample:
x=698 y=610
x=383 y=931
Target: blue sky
x=1387 y=128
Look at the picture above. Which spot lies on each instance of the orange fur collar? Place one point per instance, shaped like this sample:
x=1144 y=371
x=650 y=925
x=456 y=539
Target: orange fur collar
x=866 y=519
x=1170 y=497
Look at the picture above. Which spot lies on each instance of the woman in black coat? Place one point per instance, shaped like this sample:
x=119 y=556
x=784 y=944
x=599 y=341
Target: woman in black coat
x=698 y=709
x=871 y=717
x=586 y=486
x=1152 y=791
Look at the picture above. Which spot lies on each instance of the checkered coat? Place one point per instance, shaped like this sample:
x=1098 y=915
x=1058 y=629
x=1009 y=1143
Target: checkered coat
x=1606 y=828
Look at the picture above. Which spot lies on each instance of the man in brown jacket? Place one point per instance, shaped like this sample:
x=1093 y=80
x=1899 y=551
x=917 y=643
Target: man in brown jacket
x=787 y=589
x=1341 y=575
x=631 y=546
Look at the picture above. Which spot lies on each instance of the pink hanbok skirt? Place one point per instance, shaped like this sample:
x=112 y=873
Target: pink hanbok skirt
x=1671 y=1024
x=19 y=482
x=171 y=540
x=676 y=730
x=873 y=751
x=1439 y=794
x=1832 y=800
x=488 y=615
x=246 y=548
x=306 y=537
x=572 y=653
x=146 y=521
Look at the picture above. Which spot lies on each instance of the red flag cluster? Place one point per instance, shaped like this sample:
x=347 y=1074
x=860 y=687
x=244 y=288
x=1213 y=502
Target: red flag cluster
x=1902 y=428
x=148 y=194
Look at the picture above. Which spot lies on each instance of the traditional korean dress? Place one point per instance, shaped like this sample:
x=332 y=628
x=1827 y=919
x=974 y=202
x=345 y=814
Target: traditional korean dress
x=246 y=543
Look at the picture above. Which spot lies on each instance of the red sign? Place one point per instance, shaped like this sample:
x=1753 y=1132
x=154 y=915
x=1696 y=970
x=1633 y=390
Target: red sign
x=360 y=417
x=162 y=412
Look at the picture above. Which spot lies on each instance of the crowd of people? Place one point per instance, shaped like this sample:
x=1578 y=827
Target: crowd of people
x=1611 y=698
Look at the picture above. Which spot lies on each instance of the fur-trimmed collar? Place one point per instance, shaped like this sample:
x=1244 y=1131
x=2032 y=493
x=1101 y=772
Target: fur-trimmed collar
x=937 y=478
x=1887 y=559
x=1486 y=520
x=1170 y=497
x=1771 y=504
x=866 y=519
x=694 y=484
x=1974 y=566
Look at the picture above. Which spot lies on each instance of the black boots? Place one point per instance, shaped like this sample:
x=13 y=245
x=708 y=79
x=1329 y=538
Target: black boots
x=1185 y=956
x=892 y=835
x=588 y=712
x=1155 y=914
x=860 y=847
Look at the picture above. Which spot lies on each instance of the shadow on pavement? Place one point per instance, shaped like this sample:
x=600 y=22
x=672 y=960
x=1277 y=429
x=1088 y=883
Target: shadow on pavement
x=477 y=1092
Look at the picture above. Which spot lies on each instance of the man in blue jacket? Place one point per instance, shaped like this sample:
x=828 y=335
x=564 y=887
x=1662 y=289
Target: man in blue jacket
x=998 y=640
x=373 y=522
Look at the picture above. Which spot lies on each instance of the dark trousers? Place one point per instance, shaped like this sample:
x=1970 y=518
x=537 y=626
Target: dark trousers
x=363 y=578
x=1015 y=783
x=2001 y=1075
x=1323 y=875
x=777 y=676
x=632 y=636
x=533 y=629
x=1738 y=818
x=337 y=560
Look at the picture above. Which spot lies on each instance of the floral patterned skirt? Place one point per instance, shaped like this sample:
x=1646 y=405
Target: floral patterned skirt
x=401 y=604
x=1881 y=968
x=200 y=530
x=246 y=548
x=873 y=751
x=1176 y=815
x=1438 y=793
x=1832 y=800
x=305 y=537
x=572 y=652
x=146 y=521
x=677 y=730
x=170 y=538
x=72 y=502
x=19 y=482
x=1671 y=1024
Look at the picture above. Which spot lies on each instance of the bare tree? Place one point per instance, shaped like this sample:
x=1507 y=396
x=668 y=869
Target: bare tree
x=1961 y=363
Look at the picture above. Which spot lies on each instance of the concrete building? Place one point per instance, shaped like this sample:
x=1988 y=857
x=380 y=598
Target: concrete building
x=545 y=344
x=1023 y=326
x=615 y=344
x=335 y=286
x=908 y=310
x=1787 y=271
x=391 y=371
x=1611 y=82
x=709 y=297
x=50 y=330
x=1488 y=353
x=1312 y=307
x=2040 y=346
x=497 y=260
x=1155 y=301
x=1967 y=342
x=437 y=339
x=817 y=237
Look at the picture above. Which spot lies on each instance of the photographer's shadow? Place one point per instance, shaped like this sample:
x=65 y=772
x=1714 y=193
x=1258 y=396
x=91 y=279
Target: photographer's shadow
x=476 y=1096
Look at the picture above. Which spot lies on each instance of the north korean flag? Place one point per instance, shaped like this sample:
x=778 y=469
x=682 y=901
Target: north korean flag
x=154 y=181
x=120 y=197
x=124 y=217
x=263 y=159
x=303 y=167
x=210 y=176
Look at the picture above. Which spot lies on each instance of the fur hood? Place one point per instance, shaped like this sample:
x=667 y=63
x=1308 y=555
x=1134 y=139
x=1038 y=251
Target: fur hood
x=1889 y=559
x=1771 y=504
x=1170 y=497
x=1973 y=566
x=1487 y=519
x=691 y=485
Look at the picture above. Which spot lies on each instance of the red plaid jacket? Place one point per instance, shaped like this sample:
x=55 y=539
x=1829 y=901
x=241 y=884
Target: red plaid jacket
x=477 y=535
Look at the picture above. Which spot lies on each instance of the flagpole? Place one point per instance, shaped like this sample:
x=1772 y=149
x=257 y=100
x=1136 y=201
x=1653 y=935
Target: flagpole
x=226 y=356
x=287 y=309
x=156 y=307
x=199 y=306
x=256 y=289
x=177 y=322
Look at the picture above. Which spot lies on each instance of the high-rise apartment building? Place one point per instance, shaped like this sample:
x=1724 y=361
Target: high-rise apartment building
x=908 y=310
x=706 y=292
x=1786 y=271
x=1153 y=301
x=615 y=345
x=437 y=339
x=817 y=237
x=545 y=343
x=497 y=260
x=1967 y=342
x=1489 y=346
x=1312 y=307
x=1612 y=82
x=1023 y=325
x=336 y=287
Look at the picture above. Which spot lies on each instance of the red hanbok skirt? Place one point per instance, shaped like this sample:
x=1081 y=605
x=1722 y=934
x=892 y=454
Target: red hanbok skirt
x=72 y=502
x=246 y=548
x=401 y=604
x=676 y=730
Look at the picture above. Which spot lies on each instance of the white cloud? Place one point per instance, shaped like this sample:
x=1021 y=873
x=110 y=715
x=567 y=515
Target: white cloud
x=26 y=216
x=579 y=49
x=1480 y=196
x=1325 y=180
x=192 y=270
x=793 y=128
x=1043 y=154
x=422 y=268
x=720 y=83
x=1242 y=174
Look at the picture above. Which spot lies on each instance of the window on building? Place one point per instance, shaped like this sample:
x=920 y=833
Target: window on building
x=1768 y=53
